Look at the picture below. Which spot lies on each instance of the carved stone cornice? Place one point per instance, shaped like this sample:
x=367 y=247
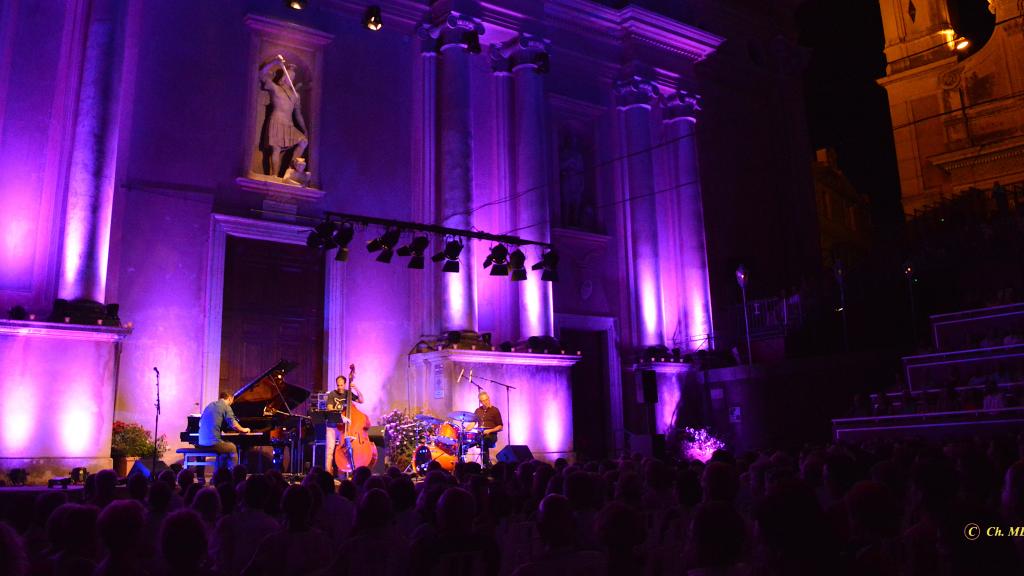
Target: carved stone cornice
x=636 y=90
x=456 y=31
x=680 y=105
x=525 y=50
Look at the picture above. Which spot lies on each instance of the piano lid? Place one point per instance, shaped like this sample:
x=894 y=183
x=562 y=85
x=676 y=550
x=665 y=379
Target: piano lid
x=267 y=391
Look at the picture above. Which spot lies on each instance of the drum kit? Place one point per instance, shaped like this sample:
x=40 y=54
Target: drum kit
x=445 y=441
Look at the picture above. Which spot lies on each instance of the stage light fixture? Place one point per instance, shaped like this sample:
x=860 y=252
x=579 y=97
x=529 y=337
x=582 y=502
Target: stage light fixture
x=549 y=264
x=386 y=244
x=322 y=236
x=342 y=238
x=497 y=260
x=517 y=263
x=372 y=18
x=961 y=44
x=415 y=249
x=452 y=248
x=296 y=4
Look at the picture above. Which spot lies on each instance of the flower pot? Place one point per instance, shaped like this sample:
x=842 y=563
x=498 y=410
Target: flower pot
x=124 y=464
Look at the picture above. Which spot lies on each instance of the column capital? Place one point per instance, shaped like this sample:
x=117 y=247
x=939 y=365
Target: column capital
x=636 y=90
x=525 y=51
x=680 y=105
x=455 y=31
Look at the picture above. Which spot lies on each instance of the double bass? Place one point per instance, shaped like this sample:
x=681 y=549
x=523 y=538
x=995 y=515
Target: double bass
x=356 y=449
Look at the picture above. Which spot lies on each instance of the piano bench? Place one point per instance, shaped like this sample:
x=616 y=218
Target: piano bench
x=197 y=458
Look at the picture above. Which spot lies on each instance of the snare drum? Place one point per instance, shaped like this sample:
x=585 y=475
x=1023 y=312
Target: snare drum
x=447 y=438
x=472 y=437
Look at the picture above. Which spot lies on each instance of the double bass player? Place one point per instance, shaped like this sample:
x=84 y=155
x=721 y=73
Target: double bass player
x=337 y=399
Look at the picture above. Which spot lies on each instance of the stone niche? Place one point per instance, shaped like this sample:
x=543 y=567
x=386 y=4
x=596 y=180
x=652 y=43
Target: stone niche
x=281 y=153
x=537 y=413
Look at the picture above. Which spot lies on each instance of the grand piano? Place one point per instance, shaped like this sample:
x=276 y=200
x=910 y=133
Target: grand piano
x=266 y=405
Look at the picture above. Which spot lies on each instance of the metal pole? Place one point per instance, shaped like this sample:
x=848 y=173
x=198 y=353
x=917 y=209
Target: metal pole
x=156 y=425
x=746 y=322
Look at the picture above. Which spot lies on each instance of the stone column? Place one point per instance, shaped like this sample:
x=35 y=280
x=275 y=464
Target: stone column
x=679 y=113
x=457 y=38
x=633 y=98
x=527 y=59
x=91 y=174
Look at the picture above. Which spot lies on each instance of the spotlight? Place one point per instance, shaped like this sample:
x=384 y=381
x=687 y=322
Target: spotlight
x=342 y=238
x=372 y=19
x=415 y=249
x=78 y=475
x=385 y=243
x=450 y=254
x=961 y=44
x=499 y=259
x=296 y=4
x=322 y=236
x=517 y=262
x=549 y=264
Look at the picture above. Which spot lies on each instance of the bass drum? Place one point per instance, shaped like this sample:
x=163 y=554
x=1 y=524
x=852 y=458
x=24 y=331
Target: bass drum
x=425 y=454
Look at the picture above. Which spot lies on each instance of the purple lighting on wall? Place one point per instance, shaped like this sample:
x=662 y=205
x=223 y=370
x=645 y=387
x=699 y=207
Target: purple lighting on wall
x=18 y=415
x=650 y=304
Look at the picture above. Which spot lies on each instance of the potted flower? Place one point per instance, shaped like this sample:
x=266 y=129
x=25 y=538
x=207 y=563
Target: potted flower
x=129 y=442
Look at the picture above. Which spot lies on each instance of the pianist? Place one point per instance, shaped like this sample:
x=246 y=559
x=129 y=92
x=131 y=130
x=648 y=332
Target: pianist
x=216 y=415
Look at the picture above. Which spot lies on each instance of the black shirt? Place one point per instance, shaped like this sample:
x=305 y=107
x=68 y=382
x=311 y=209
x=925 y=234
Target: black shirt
x=488 y=417
x=336 y=400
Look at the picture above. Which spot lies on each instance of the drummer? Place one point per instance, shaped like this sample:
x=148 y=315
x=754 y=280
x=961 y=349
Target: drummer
x=489 y=422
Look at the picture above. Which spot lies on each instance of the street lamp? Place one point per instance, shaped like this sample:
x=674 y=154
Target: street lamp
x=741 y=279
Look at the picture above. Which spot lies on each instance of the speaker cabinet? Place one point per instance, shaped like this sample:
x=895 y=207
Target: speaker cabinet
x=515 y=453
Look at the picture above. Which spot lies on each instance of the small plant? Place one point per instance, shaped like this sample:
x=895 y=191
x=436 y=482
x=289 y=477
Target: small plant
x=698 y=444
x=132 y=440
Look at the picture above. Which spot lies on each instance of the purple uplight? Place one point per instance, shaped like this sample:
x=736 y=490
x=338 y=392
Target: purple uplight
x=18 y=416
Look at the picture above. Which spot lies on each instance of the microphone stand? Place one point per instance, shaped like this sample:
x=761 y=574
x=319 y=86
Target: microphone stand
x=156 y=425
x=508 y=403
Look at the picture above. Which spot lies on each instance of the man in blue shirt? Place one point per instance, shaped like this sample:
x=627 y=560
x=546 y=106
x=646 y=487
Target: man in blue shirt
x=216 y=415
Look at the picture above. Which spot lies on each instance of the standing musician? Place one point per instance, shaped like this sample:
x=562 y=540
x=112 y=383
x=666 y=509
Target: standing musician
x=488 y=419
x=336 y=400
x=215 y=416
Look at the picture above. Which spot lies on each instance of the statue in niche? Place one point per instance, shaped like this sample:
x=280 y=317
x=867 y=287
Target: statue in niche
x=577 y=205
x=284 y=135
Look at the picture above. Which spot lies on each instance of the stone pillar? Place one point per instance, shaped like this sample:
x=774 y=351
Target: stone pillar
x=633 y=98
x=679 y=113
x=456 y=39
x=91 y=174
x=526 y=57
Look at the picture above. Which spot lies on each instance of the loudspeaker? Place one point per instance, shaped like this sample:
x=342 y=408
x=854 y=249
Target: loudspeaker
x=515 y=453
x=648 y=392
x=141 y=467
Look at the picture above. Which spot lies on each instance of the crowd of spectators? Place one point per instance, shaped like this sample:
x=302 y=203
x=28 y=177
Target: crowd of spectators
x=882 y=508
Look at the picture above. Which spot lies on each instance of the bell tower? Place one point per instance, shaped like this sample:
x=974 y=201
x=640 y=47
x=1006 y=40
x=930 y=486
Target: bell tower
x=917 y=32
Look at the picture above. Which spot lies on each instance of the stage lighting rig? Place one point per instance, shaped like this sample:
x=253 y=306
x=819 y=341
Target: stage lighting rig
x=385 y=243
x=497 y=260
x=517 y=263
x=549 y=264
x=416 y=248
x=452 y=248
x=372 y=18
x=322 y=236
x=342 y=238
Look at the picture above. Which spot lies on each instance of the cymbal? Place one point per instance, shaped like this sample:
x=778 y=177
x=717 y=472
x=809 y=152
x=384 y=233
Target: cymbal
x=427 y=418
x=462 y=416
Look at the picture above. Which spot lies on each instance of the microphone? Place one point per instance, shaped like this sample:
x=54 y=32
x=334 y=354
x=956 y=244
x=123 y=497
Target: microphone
x=155 y=370
x=461 y=373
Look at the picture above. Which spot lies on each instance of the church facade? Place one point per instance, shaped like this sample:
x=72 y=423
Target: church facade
x=169 y=161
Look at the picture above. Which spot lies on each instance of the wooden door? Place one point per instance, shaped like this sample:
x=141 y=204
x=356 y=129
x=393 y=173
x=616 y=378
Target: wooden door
x=273 y=310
